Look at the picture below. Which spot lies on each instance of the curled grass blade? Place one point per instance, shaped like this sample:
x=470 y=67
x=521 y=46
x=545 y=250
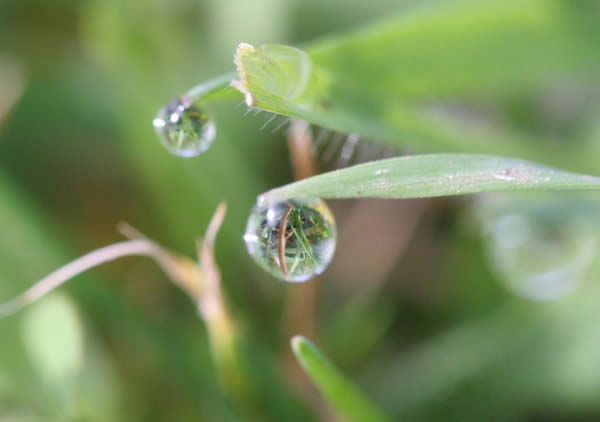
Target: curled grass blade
x=388 y=81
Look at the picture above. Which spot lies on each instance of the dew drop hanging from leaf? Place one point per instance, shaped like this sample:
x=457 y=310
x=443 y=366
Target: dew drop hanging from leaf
x=185 y=126
x=184 y=129
x=293 y=239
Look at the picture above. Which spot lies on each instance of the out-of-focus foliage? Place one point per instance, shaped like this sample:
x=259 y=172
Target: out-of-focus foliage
x=438 y=309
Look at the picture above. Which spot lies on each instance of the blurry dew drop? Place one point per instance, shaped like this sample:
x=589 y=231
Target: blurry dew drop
x=184 y=129
x=541 y=253
x=293 y=239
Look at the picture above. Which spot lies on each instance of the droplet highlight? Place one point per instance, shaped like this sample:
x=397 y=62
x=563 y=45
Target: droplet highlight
x=184 y=129
x=293 y=239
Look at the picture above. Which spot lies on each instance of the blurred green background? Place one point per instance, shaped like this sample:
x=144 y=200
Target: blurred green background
x=448 y=309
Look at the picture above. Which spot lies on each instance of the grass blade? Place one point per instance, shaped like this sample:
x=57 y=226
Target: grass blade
x=338 y=391
x=430 y=175
x=397 y=80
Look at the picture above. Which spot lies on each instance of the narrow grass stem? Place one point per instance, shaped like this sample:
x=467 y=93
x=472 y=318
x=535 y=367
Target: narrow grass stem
x=76 y=267
x=215 y=89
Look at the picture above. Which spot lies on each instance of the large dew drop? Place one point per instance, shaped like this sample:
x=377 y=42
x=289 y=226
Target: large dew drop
x=542 y=248
x=184 y=129
x=294 y=239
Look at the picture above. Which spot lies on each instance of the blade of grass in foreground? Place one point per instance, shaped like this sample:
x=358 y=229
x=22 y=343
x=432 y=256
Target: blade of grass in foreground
x=338 y=391
x=429 y=175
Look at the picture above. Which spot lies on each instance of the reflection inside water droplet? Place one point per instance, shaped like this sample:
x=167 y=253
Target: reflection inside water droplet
x=184 y=129
x=541 y=248
x=294 y=239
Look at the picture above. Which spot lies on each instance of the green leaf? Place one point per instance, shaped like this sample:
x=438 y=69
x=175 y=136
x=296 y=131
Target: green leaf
x=431 y=175
x=398 y=80
x=340 y=392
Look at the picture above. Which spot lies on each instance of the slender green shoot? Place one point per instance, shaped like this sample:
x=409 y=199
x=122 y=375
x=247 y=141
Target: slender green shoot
x=339 y=392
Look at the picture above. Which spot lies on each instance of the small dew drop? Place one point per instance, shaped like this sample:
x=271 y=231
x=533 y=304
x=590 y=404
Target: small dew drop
x=184 y=129
x=503 y=176
x=293 y=239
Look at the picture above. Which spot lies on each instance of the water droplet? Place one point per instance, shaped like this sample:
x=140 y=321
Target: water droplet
x=504 y=175
x=542 y=249
x=184 y=129
x=293 y=239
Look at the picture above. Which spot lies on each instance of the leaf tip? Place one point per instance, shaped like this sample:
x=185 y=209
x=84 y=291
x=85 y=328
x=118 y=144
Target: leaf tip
x=297 y=342
x=241 y=84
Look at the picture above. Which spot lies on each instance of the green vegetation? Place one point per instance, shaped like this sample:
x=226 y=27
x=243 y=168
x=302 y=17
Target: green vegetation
x=435 y=306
